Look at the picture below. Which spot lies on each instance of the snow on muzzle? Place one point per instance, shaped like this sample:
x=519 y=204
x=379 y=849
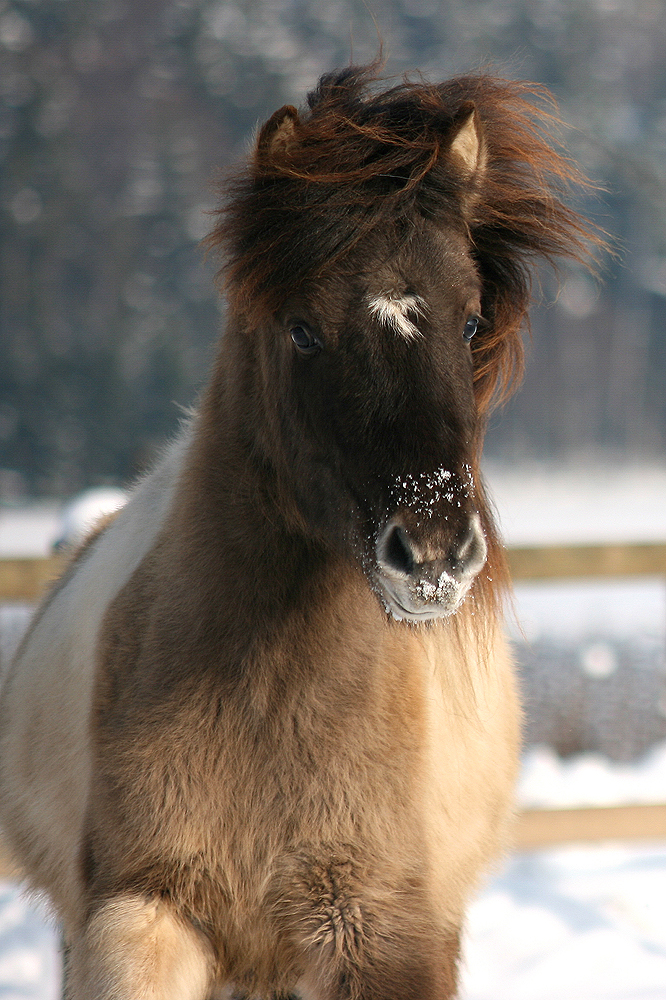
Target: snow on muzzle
x=418 y=583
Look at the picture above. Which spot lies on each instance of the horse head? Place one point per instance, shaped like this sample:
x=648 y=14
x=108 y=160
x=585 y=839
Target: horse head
x=376 y=269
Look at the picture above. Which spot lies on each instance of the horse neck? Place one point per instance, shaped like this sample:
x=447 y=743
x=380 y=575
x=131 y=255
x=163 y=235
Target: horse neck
x=227 y=523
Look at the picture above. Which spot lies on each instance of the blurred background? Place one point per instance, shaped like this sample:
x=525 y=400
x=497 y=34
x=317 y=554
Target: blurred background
x=118 y=119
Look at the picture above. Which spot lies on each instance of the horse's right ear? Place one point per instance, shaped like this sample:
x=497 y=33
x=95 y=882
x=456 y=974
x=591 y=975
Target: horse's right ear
x=467 y=144
x=278 y=134
x=468 y=155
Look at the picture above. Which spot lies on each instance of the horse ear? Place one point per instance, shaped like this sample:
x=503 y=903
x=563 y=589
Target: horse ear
x=467 y=142
x=278 y=134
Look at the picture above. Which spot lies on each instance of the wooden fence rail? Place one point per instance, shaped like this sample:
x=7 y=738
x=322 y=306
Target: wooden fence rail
x=546 y=827
x=26 y=580
x=575 y=562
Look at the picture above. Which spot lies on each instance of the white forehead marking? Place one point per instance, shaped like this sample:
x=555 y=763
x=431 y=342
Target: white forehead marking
x=393 y=311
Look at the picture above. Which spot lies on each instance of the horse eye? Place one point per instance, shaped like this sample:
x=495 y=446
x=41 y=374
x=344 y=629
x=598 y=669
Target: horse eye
x=470 y=328
x=304 y=341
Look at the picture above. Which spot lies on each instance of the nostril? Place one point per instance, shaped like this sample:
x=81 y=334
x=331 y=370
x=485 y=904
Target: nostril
x=396 y=552
x=460 y=554
x=472 y=551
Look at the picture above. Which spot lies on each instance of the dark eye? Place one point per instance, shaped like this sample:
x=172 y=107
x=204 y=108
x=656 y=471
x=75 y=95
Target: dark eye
x=470 y=328
x=304 y=340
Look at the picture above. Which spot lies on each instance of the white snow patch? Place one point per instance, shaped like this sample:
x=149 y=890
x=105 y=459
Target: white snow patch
x=612 y=608
x=437 y=592
x=84 y=512
x=550 y=782
x=574 y=923
x=30 y=531
x=30 y=965
x=422 y=492
x=593 y=502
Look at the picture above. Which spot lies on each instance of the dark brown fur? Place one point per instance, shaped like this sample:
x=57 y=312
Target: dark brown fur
x=362 y=159
x=282 y=787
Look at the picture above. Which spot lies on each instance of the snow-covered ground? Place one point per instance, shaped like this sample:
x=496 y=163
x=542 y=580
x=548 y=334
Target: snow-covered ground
x=572 y=923
x=575 y=923
x=30 y=531
x=589 y=502
x=29 y=956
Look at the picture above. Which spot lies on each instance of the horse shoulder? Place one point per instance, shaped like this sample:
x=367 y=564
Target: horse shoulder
x=46 y=699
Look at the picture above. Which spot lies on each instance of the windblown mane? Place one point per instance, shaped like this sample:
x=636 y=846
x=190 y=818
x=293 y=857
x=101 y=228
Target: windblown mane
x=362 y=158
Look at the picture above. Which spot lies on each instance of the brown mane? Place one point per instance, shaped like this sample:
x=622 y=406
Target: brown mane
x=366 y=158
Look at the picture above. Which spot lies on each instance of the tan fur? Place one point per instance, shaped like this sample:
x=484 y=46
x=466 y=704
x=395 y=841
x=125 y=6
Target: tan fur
x=467 y=144
x=133 y=947
x=416 y=792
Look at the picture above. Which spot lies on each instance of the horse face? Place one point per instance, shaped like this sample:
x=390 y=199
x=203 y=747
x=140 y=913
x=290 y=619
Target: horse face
x=368 y=386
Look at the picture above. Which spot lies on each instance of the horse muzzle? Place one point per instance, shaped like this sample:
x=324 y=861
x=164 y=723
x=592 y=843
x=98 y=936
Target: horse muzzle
x=417 y=583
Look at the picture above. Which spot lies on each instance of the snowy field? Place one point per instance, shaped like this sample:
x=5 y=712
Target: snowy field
x=572 y=923
x=576 y=923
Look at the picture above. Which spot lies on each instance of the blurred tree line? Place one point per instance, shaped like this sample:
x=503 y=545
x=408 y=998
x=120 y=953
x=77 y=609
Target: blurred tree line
x=116 y=116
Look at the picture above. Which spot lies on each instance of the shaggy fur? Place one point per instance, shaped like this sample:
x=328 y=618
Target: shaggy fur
x=226 y=758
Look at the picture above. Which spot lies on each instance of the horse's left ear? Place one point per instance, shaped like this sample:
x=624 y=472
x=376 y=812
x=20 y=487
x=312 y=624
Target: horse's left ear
x=467 y=144
x=278 y=134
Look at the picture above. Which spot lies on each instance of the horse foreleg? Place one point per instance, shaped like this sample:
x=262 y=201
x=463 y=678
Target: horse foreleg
x=138 y=949
x=406 y=971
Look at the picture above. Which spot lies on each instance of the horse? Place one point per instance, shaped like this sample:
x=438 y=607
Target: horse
x=261 y=738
